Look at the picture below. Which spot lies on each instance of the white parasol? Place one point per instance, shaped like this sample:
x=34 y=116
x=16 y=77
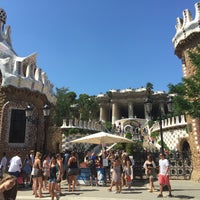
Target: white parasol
x=102 y=138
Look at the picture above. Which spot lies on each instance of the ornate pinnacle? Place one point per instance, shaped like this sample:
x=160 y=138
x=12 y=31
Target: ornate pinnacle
x=2 y=15
x=186 y=28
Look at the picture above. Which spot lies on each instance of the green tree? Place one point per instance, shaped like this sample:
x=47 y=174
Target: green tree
x=94 y=108
x=188 y=92
x=109 y=97
x=179 y=100
x=62 y=108
x=149 y=88
x=89 y=107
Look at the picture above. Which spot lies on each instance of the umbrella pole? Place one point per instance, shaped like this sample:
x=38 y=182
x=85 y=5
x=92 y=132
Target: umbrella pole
x=102 y=146
x=104 y=160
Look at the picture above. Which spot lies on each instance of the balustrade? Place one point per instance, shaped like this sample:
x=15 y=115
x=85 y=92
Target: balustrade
x=172 y=122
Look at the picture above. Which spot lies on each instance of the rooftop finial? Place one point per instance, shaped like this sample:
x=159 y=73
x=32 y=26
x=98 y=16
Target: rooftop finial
x=2 y=15
x=186 y=28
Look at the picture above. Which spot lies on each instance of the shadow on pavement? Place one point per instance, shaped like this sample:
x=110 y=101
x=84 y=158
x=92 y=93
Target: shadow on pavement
x=183 y=197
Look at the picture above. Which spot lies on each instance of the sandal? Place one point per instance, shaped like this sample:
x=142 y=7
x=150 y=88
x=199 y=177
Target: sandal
x=160 y=195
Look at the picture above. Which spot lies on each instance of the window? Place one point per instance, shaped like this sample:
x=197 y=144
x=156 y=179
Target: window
x=17 y=126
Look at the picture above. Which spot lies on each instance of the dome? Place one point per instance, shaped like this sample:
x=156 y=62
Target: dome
x=2 y=15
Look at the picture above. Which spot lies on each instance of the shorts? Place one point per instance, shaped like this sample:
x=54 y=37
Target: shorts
x=73 y=171
x=52 y=180
x=163 y=179
x=93 y=173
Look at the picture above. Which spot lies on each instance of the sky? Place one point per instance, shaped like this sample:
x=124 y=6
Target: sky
x=93 y=46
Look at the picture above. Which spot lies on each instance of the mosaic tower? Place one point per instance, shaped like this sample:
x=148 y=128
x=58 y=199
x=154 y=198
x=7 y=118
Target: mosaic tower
x=186 y=39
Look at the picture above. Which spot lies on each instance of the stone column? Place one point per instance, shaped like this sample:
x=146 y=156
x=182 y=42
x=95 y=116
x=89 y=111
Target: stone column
x=162 y=109
x=103 y=116
x=130 y=110
x=115 y=112
x=146 y=114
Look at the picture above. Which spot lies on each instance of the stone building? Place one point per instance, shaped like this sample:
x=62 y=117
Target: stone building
x=130 y=104
x=126 y=110
x=187 y=38
x=22 y=83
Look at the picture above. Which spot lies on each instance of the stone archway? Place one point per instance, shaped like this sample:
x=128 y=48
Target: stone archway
x=185 y=146
x=128 y=128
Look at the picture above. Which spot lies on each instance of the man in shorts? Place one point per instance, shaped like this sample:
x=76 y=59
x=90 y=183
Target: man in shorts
x=163 y=178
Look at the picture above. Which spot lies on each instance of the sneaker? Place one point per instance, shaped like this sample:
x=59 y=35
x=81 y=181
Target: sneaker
x=109 y=190
x=160 y=195
x=170 y=195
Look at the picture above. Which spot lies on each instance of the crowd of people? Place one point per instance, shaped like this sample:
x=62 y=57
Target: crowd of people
x=37 y=171
x=44 y=173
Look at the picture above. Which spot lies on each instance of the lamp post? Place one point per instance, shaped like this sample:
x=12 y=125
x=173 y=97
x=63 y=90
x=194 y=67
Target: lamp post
x=36 y=121
x=148 y=108
x=46 y=113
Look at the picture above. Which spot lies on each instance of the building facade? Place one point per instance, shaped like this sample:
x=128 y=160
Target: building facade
x=187 y=38
x=22 y=83
x=130 y=103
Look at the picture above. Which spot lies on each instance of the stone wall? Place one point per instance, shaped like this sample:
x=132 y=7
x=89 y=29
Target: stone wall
x=194 y=141
x=54 y=139
x=10 y=98
x=194 y=136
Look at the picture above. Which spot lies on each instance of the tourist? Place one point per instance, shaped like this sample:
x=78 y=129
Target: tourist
x=15 y=165
x=60 y=165
x=105 y=152
x=73 y=171
x=126 y=170
x=27 y=168
x=37 y=175
x=8 y=187
x=91 y=163
x=98 y=162
x=108 y=170
x=163 y=178
x=3 y=163
x=150 y=166
x=111 y=158
x=46 y=171
x=53 y=177
x=65 y=164
x=116 y=174
x=32 y=156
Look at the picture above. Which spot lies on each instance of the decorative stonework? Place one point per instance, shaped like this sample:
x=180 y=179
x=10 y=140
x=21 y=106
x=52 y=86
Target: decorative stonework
x=2 y=15
x=186 y=28
x=174 y=130
x=22 y=83
x=21 y=72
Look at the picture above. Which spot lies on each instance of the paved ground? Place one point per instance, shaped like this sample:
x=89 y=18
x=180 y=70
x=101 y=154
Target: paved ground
x=181 y=189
